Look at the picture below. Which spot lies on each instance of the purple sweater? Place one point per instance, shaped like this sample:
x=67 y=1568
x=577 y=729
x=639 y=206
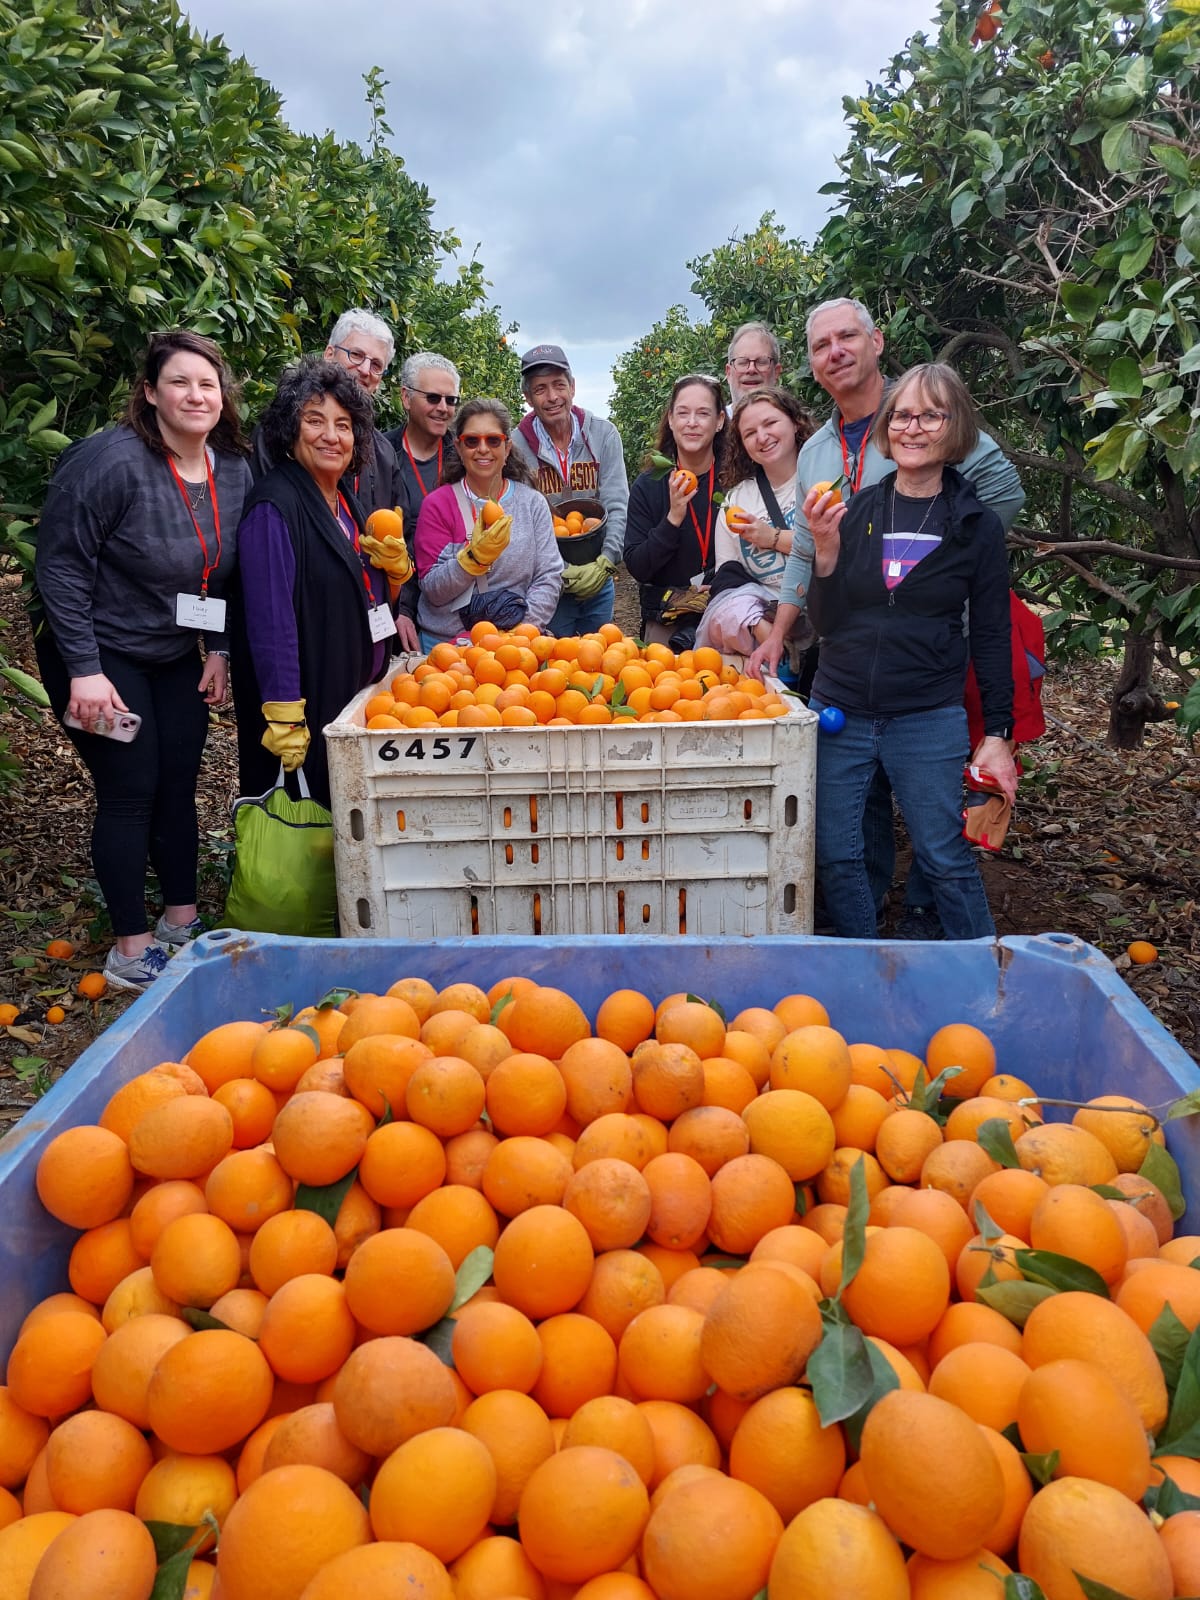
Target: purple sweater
x=268 y=577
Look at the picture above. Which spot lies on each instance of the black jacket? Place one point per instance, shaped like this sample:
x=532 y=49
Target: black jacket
x=337 y=655
x=657 y=553
x=893 y=651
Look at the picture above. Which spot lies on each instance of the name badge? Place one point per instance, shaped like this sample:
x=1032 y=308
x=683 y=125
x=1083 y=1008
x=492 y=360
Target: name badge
x=382 y=623
x=200 y=611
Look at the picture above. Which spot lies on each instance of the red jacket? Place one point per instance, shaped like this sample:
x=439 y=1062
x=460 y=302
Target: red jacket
x=1028 y=655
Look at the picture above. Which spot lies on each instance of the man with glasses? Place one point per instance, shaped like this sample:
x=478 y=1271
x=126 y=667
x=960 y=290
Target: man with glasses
x=573 y=452
x=363 y=344
x=429 y=393
x=844 y=347
x=753 y=360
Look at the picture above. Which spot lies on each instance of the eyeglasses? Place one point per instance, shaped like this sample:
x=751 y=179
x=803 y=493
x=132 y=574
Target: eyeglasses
x=927 y=421
x=360 y=358
x=753 y=363
x=474 y=441
x=435 y=399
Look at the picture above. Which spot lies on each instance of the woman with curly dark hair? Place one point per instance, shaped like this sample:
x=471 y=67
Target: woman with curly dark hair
x=313 y=619
x=756 y=527
x=136 y=548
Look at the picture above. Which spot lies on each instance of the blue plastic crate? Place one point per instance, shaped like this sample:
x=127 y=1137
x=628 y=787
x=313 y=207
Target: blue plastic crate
x=1057 y=1011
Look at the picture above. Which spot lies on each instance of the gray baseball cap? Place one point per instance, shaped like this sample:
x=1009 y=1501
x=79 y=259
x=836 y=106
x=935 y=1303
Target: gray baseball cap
x=545 y=355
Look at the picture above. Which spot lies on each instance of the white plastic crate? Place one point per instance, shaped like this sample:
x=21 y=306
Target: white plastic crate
x=702 y=828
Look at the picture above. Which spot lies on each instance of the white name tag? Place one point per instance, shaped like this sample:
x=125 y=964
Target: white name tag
x=382 y=623
x=894 y=569
x=200 y=611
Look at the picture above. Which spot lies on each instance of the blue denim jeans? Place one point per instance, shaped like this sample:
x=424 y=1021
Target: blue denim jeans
x=922 y=755
x=583 y=616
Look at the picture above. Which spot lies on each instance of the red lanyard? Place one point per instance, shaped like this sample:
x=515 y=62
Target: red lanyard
x=704 y=539
x=416 y=468
x=209 y=566
x=856 y=480
x=354 y=540
x=564 y=462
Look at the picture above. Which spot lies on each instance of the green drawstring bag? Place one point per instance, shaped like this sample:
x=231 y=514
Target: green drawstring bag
x=283 y=878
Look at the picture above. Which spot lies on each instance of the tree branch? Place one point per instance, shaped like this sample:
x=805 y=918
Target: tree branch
x=1101 y=547
x=990 y=339
x=1104 y=487
x=1055 y=554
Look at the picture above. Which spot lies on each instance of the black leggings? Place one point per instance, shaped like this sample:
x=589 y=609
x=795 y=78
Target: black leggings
x=145 y=790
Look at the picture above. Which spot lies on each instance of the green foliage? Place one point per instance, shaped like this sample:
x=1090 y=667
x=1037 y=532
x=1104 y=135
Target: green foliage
x=150 y=181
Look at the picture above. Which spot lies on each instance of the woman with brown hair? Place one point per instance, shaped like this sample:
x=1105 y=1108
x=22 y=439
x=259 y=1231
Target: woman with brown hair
x=669 y=545
x=507 y=571
x=756 y=529
x=136 y=546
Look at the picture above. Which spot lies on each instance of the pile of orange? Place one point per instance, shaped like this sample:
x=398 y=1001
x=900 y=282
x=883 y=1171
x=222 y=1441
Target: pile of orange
x=573 y=524
x=523 y=679
x=465 y=1294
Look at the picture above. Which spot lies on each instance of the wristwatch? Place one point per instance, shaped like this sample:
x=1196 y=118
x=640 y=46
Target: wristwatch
x=1004 y=731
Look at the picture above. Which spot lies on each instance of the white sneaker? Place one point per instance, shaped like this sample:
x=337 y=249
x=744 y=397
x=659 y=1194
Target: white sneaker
x=134 y=973
x=176 y=936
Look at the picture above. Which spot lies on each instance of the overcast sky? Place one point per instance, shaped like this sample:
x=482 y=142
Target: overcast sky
x=589 y=150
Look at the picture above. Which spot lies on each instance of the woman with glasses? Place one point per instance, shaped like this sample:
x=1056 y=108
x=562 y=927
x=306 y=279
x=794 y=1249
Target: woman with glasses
x=315 y=614
x=472 y=565
x=669 y=534
x=136 y=548
x=754 y=532
x=910 y=584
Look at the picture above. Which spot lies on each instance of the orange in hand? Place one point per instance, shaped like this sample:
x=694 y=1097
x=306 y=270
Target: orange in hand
x=491 y=513
x=828 y=485
x=386 y=524
x=687 y=480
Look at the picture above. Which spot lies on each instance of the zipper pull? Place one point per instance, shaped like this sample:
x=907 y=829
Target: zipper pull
x=891 y=597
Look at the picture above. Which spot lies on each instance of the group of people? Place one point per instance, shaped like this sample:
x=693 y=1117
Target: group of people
x=175 y=556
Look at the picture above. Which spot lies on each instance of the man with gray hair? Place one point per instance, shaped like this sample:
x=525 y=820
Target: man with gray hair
x=363 y=344
x=752 y=361
x=574 y=453
x=429 y=392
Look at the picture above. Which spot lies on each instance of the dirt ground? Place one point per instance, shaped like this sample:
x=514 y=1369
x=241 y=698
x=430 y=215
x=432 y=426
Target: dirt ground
x=1104 y=845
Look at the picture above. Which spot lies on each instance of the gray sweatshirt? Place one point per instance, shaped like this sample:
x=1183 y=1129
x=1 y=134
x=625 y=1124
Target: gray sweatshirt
x=596 y=470
x=116 y=545
x=530 y=563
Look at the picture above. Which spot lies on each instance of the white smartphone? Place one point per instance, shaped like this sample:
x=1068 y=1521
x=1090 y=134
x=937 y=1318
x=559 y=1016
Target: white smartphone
x=124 y=730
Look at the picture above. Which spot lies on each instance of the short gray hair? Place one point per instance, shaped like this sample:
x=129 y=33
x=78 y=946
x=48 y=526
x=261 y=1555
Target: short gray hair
x=762 y=328
x=860 y=311
x=359 y=321
x=414 y=365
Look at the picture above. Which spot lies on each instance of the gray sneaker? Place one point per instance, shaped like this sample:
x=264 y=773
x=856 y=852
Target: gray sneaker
x=135 y=973
x=176 y=937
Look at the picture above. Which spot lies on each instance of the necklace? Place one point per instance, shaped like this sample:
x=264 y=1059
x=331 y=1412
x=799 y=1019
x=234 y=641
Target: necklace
x=196 y=493
x=896 y=563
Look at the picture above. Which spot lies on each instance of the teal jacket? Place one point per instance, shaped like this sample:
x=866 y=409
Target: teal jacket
x=987 y=469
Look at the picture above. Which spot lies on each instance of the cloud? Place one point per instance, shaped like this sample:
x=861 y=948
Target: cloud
x=589 y=150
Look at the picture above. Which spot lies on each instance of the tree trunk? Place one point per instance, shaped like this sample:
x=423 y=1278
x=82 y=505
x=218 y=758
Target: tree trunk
x=1133 y=700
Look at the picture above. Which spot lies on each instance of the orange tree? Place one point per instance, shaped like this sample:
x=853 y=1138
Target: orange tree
x=148 y=180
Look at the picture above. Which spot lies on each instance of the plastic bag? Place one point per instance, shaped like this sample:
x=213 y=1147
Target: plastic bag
x=283 y=878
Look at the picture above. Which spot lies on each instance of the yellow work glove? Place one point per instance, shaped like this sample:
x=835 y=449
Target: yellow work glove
x=287 y=732
x=582 y=582
x=485 y=545
x=388 y=551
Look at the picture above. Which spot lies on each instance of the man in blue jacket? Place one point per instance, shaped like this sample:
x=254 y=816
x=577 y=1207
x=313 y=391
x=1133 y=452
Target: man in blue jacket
x=844 y=347
x=573 y=452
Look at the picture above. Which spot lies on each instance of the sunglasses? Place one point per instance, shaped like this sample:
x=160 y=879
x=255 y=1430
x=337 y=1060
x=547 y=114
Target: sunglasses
x=474 y=441
x=433 y=399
